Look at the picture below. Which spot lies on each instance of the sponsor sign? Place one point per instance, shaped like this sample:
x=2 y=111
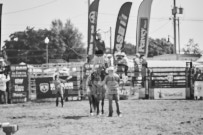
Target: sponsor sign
x=198 y=90
x=69 y=85
x=121 y=26
x=170 y=77
x=170 y=93
x=92 y=26
x=143 y=20
x=19 y=81
x=143 y=35
x=44 y=87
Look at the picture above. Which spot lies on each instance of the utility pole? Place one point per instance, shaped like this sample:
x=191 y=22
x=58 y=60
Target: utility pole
x=174 y=12
x=179 y=35
x=88 y=6
x=110 y=41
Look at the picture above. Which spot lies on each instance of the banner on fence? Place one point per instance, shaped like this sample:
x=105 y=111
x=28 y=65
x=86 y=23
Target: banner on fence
x=170 y=93
x=19 y=83
x=46 y=87
x=198 y=90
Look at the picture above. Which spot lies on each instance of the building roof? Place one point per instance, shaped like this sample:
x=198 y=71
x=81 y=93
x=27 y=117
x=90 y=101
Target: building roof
x=183 y=57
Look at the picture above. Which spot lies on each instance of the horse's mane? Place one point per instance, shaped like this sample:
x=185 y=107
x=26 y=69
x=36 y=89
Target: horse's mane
x=99 y=74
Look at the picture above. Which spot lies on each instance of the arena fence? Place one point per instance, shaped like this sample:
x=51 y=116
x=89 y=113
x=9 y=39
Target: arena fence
x=41 y=84
x=170 y=82
x=31 y=83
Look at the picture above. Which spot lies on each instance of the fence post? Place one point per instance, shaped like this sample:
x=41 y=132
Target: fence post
x=191 y=83
x=150 y=84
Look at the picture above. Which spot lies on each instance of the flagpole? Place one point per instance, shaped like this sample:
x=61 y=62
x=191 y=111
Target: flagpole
x=88 y=4
x=0 y=22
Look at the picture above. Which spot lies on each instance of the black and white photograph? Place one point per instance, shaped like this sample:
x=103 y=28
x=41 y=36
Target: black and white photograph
x=101 y=67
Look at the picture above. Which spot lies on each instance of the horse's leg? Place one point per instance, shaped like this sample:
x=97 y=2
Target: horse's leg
x=93 y=102
x=57 y=98
x=98 y=101
x=102 y=104
x=102 y=98
x=90 y=102
x=62 y=103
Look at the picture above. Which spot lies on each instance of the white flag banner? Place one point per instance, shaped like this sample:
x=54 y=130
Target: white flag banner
x=143 y=20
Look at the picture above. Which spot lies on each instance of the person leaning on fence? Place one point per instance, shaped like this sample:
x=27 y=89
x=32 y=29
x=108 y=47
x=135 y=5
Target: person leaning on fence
x=198 y=76
x=59 y=87
x=112 y=81
x=3 y=93
x=136 y=62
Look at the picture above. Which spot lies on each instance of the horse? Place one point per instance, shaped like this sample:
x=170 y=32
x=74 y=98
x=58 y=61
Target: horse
x=96 y=91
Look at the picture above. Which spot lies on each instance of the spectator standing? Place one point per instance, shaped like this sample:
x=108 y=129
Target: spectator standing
x=3 y=94
x=59 y=87
x=112 y=81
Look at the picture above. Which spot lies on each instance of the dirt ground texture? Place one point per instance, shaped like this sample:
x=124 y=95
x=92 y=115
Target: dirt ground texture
x=140 y=117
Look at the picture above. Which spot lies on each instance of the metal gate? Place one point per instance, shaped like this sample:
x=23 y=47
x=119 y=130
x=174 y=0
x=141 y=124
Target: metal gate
x=170 y=82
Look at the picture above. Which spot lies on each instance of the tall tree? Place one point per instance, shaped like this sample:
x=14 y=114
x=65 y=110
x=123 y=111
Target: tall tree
x=69 y=39
x=156 y=47
x=65 y=41
x=26 y=46
x=192 y=48
x=159 y=47
x=129 y=49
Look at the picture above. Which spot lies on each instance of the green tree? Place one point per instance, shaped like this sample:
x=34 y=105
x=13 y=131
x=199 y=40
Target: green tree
x=191 y=48
x=129 y=49
x=69 y=40
x=26 y=46
x=159 y=47
x=156 y=47
x=65 y=41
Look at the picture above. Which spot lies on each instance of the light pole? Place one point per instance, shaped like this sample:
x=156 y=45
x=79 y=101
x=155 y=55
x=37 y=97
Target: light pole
x=110 y=41
x=47 y=53
x=175 y=11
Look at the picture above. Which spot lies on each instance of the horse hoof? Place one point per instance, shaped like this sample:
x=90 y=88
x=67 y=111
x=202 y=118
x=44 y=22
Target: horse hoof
x=91 y=114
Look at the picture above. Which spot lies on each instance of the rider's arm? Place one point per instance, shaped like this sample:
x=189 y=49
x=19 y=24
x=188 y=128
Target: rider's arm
x=117 y=78
x=104 y=81
x=87 y=83
x=6 y=79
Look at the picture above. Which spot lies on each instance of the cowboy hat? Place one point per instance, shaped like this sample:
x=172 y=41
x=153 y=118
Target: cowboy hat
x=137 y=54
x=110 y=69
x=118 y=54
x=123 y=54
x=109 y=55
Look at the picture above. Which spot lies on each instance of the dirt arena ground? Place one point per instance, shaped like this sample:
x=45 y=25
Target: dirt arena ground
x=140 y=117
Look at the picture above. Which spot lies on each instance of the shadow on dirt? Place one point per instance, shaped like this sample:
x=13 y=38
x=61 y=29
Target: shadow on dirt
x=74 y=117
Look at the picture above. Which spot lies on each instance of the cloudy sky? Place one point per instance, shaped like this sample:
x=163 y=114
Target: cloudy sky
x=18 y=14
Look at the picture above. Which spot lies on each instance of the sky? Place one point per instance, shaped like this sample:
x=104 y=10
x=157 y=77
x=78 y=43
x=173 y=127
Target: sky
x=18 y=14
